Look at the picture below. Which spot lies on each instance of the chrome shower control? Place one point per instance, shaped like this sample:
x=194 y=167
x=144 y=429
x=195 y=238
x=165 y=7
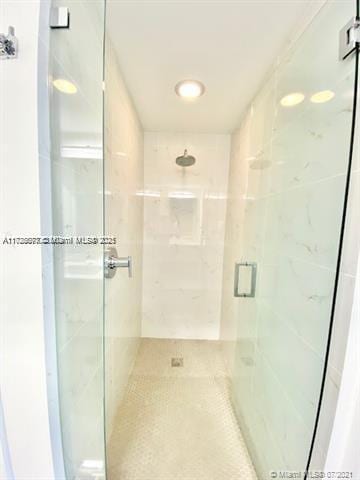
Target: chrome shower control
x=112 y=262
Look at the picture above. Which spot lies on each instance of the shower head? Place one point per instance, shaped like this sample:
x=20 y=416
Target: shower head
x=185 y=160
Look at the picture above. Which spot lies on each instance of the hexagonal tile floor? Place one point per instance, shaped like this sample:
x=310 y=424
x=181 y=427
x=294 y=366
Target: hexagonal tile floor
x=176 y=421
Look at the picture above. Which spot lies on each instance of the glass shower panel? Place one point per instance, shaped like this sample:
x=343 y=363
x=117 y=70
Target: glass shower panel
x=76 y=111
x=299 y=131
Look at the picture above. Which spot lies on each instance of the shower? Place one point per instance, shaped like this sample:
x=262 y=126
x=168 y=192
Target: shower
x=209 y=362
x=185 y=160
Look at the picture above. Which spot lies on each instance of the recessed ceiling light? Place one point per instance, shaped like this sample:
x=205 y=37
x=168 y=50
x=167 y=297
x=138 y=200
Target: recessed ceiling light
x=64 y=86
x=292 y=99
x=322 y=97
x=189 y=89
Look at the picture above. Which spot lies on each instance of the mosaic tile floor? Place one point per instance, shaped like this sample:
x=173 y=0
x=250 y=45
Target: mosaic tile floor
x=176 y=422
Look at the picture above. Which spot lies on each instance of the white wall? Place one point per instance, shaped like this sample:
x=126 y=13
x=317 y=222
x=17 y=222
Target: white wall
x=22 y=349
x=124 y=178
x=184 y=226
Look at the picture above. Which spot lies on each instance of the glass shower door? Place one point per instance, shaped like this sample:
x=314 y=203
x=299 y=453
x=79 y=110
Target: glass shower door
x=76 y=111
x=299 y=130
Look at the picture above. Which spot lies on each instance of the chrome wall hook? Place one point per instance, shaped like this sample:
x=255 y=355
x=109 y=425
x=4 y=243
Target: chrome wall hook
x=8 y=45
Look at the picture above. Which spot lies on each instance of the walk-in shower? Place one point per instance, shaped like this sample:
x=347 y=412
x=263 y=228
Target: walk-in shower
x=172 y=373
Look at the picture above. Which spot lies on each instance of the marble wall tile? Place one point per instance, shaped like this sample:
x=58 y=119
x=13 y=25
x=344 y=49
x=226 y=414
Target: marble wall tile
x=299 y=371
x=265 y=453
x=124 y=177
x=283 y=422
x=75 y=188
x=352 y=237
x=291 y=167
x=301 y=294
x=234 y=231
x=343 y=310
x=286 y=196
x=184 y=225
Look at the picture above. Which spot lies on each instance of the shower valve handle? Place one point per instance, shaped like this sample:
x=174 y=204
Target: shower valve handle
x=112 y=262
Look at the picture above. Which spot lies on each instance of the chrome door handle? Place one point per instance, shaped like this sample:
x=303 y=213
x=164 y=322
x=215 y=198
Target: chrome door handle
x=253 y=267
x=112 y=262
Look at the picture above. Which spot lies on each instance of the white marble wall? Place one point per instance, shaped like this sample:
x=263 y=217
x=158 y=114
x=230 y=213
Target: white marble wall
x=287 y=178
x=345 y=300
x=184 y=225
x=124 y=178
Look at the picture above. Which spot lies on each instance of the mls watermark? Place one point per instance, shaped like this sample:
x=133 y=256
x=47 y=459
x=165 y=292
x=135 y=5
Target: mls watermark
x=59 y=240
x=315 y=474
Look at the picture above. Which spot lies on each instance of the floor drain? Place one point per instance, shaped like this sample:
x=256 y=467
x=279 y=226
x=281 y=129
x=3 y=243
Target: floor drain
x=177 y=362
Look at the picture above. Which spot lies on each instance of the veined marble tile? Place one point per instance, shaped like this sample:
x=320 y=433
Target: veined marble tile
x=124 y=177
x=284 y=423
x=310 y=67
x=312 y=134
x=298 y=368
x=301 y=295
x=352 y=231
x=299 y=223
x=284 y=212
x=184 y=227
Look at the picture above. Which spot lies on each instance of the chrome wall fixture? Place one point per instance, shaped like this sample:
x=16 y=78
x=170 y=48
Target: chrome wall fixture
x=8 y=45
x=251 y=293
x=112 y=262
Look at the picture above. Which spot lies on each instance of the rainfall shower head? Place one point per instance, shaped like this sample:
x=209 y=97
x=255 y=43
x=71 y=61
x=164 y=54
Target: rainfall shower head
x=185 y=160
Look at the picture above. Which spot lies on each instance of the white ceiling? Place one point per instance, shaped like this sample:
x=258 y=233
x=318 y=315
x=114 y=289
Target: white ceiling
x=228 y=45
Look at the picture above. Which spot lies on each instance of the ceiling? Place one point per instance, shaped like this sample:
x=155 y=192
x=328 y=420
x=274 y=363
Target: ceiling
x=228 y=45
